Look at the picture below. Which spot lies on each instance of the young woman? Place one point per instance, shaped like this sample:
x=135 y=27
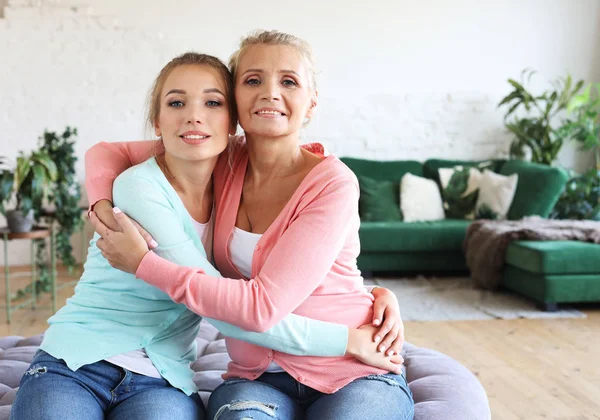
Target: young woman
x=287 y=223
x=121 y=348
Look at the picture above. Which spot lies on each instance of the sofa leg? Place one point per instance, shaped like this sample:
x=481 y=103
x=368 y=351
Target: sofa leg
x=548 y=306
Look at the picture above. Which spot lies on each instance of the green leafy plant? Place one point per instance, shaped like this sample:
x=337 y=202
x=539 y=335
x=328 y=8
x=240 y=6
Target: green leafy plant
x=7 y=180
x=537 y=131
x=584 y=125
x=62 y=194
x=31 y=182
x=66 y=192
x=581 y=198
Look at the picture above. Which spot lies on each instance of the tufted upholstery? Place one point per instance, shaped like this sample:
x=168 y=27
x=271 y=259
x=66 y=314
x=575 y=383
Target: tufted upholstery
x=442 y=387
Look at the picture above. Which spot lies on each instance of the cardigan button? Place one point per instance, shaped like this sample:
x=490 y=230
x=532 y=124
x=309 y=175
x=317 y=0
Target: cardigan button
x=270 y=354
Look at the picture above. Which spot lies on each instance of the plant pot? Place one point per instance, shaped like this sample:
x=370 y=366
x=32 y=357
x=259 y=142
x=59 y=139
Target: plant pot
x=19 y=222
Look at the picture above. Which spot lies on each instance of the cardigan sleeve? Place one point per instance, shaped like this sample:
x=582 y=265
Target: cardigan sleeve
x=151 y=207
x=296 y=265
x=105 y=161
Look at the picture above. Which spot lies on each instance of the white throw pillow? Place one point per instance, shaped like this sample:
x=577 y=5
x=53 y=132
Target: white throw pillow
x=420 y=199
x=496 y=193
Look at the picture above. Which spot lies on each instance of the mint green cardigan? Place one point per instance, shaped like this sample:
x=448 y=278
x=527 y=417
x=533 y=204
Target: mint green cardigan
x=113 y=312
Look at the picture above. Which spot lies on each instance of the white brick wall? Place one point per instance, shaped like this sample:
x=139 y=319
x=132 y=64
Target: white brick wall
x=398 y=80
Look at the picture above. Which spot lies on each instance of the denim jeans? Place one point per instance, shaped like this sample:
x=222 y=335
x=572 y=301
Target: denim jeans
x=280 y=396
x=49 y=390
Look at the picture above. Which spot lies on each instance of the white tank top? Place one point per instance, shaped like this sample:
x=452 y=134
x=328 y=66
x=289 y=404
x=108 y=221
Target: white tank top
x=241 y=249
x=138 y=361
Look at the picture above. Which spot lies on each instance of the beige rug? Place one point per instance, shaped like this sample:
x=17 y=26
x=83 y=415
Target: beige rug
x=454 y=299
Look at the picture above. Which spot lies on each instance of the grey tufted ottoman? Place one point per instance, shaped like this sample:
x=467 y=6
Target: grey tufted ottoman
x=443 y=389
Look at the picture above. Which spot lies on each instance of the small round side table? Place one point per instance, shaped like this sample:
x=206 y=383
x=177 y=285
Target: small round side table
x=38 y=232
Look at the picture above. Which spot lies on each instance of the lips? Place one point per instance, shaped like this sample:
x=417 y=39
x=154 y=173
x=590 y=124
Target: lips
x=194 y=137
x=270 y=113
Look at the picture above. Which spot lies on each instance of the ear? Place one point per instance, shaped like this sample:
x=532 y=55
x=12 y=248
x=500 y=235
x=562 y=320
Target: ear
x=313 y=104
x=233 y=129
x=157 y=131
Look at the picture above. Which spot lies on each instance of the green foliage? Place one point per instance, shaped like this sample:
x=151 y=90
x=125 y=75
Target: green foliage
x=584 y=127
x=580 y=199
x=7 y=181
x=47 y=177
x=536 y=131
x=31 y=181
x=66 y=192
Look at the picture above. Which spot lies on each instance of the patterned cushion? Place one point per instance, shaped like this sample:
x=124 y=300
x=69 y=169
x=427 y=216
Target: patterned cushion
x=442 y=387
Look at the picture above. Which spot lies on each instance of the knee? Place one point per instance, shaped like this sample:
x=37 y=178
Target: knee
x=242 y=410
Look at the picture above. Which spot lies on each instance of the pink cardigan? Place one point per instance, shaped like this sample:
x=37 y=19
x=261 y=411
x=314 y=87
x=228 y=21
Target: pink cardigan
x=304 y=263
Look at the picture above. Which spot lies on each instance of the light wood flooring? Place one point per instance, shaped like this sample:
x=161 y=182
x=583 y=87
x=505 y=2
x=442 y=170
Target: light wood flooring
x=530 y=369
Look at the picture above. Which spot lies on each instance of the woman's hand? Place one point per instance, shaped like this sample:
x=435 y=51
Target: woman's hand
x=104 y=211
x=386 y=308
x=123 y=249
x=362 y=347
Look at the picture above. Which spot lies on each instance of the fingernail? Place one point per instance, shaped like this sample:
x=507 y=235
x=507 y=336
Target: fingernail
x=116 y=210
x=376 y=322
x=153 y=244
x=391 y=353
x=377 y=338
x=382 y=349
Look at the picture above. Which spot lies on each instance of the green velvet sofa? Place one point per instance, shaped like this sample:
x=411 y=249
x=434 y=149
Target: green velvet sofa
x=548 y=272
x=437 y=246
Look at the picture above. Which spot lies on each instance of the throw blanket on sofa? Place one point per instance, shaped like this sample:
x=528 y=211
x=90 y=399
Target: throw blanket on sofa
x=486 y=242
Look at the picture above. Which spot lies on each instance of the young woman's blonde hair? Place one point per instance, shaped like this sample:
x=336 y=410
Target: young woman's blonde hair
x=263 y=37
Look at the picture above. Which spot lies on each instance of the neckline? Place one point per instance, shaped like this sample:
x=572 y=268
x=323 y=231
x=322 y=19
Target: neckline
x=237 y=229
x=240 y=183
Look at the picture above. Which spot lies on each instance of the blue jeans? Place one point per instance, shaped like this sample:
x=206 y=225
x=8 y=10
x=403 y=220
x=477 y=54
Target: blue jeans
x=280 y=396
x=49 y=390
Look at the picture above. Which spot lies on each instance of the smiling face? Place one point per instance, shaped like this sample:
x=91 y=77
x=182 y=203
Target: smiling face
x=194 y=119
x=273 y=91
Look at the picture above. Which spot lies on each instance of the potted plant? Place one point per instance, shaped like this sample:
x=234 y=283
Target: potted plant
x=584 y=126
x=581 y=198
x=66 y=191
x=30 y=183
x=538 y=131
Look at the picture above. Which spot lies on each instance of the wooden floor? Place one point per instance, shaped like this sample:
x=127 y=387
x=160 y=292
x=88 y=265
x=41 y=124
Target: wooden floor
x=531 y=369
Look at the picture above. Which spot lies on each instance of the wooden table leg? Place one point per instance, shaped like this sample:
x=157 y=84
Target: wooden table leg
x=33 y=274
x=6 y=278
x=53 y=268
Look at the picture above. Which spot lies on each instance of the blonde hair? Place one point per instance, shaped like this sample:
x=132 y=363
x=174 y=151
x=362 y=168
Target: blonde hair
x=263 y=37
x=190 y=58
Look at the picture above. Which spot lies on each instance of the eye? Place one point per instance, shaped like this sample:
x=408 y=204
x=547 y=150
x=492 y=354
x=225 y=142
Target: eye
x=253 y=81
x=176 y=104
x=289 y=82
x=213 y=104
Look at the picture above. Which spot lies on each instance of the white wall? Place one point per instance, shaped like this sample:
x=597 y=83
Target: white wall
x=399 y=80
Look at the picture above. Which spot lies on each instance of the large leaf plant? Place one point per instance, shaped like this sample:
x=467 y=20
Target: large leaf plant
x=534 y=117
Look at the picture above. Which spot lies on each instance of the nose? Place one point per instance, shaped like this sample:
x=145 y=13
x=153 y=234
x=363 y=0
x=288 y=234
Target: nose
x=271 y=90
x=195 y=114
